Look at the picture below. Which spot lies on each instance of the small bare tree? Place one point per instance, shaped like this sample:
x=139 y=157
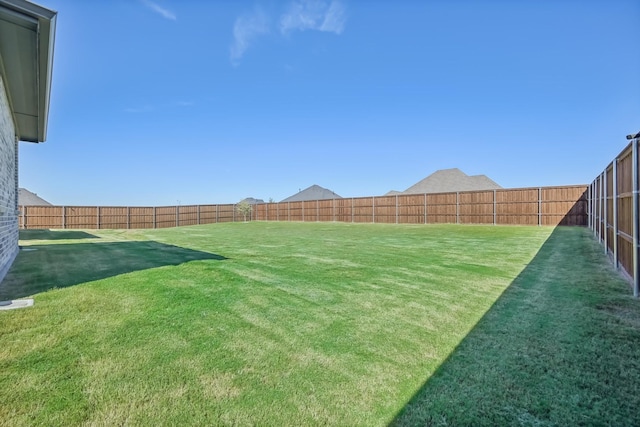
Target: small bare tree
x=244 y=208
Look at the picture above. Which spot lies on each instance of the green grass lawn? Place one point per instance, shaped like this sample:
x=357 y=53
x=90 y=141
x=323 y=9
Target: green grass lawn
x=318 y=324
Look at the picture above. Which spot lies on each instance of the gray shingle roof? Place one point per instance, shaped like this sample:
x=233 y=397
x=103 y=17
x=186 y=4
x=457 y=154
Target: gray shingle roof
x=315 y=192
x=27 y=198
x=251 y=201
x=451 y=180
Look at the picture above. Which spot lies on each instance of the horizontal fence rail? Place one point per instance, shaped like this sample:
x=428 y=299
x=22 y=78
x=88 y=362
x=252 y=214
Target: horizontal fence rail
x=613 y=211
x=526 y=206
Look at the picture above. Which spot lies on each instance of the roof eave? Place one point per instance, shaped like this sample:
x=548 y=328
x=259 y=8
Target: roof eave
x=46 y=41
x=42 y=63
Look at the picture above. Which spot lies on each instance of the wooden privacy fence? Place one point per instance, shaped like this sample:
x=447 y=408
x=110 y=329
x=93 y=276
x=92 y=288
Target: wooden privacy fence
x=113 y=217
x=613 y=211
x=526 y=206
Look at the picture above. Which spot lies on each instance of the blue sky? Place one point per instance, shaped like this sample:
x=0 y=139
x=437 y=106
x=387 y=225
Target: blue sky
x=158 y=102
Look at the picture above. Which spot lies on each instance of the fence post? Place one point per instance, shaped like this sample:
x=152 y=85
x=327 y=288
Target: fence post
x=425 y=208
x=539 y=206
x=198 y=214
x=128 y=217
x=396 y=209
x=594 y=196
x=604 y=213
x=589 y=206
x=589 y=199
x=634 y=167
x=457 y=207
x=594 y=205
x=614 y=180
x=98 y=217
x=333 y=209
x=155 y=224
x=24 y=217
x=599 y=207
x=64 y=219
x=352 y=209
x=373 y=208
x=289 y=211
x=317 y=211
x=494 y=207
x=603 y=225
x=217 y=215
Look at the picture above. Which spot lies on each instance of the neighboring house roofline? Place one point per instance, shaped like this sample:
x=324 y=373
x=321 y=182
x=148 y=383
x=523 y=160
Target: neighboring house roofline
x=451 y=180
x=28 y=198
x=251 y=200
x=28 y=74
x=314 y=192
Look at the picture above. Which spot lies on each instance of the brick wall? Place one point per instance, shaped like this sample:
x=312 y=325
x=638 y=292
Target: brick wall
x=8 y=185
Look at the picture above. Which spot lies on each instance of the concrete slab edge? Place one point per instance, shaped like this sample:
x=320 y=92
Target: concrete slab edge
x=14 y=304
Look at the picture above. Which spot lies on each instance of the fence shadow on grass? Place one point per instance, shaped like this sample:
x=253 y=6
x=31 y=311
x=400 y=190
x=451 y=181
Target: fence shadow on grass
x=541 y=355
x=55 y=235
x=39 y=268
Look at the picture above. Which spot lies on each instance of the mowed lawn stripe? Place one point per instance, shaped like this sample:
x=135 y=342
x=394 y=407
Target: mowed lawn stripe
x=560 y=347
x=245 y=323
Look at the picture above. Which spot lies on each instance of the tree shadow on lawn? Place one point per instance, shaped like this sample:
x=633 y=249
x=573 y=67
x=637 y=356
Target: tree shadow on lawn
x=561 y=346
x=39 y=268
x=55 y=235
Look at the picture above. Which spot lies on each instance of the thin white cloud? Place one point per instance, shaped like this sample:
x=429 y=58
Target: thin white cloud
x=301 y=15
x=165 y=13
x=320 y=15
x=137 y=110
x=245 y=30
x=335 y=19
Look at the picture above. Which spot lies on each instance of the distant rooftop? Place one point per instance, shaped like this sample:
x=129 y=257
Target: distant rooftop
x=252 y=201
x=27 y=198
x=452 y=180
x=315 y=192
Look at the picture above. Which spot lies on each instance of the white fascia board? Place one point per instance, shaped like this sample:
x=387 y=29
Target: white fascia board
x=29 y=9
x=43 y=22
